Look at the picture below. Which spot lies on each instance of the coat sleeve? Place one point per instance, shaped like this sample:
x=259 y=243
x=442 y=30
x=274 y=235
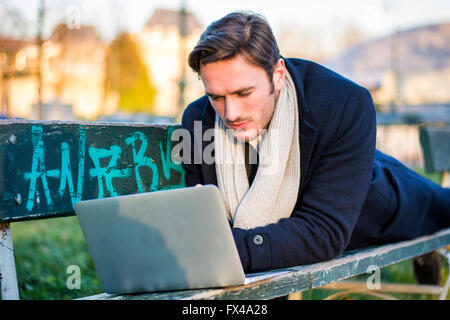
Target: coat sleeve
x=321 y=224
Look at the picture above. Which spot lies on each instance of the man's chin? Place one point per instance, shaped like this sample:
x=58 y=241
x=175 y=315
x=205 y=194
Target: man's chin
x=244 y=135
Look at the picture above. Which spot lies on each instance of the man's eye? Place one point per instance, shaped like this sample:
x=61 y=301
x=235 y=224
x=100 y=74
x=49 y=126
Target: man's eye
x=244 y=94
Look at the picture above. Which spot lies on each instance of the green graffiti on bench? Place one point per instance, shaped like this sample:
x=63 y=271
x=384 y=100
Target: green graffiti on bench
x=124 y=160
x=141 y=160
x=65 y=174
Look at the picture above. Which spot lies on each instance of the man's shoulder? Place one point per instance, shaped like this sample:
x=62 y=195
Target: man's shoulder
x=325 y=91
x=194 y=112
x=314 y=74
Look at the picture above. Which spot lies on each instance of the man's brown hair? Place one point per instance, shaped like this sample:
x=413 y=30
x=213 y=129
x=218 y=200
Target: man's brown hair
x=243 y=33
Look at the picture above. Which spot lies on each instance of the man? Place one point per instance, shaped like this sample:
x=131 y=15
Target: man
x=318 y=186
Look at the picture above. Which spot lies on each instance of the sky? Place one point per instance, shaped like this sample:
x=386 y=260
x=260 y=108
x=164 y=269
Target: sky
x=373 y=18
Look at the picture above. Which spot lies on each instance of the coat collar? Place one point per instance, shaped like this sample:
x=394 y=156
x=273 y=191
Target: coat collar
x=307 y=130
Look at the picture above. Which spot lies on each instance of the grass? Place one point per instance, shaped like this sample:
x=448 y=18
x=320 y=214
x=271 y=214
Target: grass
x=44 y=249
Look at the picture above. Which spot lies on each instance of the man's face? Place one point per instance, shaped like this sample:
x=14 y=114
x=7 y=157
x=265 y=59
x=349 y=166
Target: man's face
x=242 y=94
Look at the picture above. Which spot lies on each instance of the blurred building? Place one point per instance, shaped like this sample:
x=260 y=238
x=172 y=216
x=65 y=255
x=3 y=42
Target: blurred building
x=18 y=86
x=409 y=67
x=73 y=69
x=72 y=73
x=164 y=52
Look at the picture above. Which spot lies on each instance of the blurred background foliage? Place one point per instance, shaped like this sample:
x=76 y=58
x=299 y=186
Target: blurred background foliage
x=127 y=76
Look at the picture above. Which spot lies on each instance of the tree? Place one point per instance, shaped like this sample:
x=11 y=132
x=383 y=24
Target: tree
x=127 y=76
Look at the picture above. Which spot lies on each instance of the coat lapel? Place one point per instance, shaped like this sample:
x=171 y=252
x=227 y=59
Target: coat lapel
x=308 y=135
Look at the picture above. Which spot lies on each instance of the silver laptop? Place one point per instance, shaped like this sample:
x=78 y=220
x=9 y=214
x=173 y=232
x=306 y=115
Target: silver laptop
x=161 y=241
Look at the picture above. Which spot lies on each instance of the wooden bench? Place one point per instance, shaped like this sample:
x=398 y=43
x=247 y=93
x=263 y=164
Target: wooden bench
x=46 y=167
x=435 y=142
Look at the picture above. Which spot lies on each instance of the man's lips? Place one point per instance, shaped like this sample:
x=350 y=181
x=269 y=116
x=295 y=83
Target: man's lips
x=238 y=125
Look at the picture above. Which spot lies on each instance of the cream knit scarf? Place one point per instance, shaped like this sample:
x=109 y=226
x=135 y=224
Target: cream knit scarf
x=274 y=190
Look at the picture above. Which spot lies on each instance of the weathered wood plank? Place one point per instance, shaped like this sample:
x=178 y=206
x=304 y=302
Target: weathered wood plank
x=46 y=167
x=435 y=141
x=309 y=276
x=8 y=277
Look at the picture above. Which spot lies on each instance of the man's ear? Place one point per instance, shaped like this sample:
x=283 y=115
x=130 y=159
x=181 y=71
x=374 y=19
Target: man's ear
x=279 y=74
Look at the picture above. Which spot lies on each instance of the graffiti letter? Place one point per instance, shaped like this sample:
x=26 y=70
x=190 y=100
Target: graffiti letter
x=66 y=169
x=38 y=169
x=167 y=164
x=108 y=172
x=141 y=160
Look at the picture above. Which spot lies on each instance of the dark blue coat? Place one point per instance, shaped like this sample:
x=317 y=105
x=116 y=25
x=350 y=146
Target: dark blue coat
x=350 y=196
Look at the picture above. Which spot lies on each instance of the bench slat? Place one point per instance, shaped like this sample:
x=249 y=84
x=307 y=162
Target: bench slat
x=48 y=166
x=309 y=276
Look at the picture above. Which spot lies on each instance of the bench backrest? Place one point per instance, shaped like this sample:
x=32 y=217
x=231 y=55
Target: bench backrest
x=46 y=167
x=435 y=141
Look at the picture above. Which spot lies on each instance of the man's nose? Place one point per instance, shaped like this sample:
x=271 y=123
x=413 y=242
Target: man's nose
x=232 y=109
